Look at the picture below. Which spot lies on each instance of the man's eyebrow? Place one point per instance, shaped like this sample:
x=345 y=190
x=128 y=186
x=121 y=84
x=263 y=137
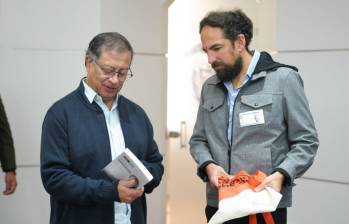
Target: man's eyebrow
x=215 y=45
x=212 y=46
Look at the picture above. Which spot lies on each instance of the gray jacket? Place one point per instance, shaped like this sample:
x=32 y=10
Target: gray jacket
x=287 y=141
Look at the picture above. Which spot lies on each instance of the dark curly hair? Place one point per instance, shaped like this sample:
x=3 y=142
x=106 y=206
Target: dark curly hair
x=232 y=23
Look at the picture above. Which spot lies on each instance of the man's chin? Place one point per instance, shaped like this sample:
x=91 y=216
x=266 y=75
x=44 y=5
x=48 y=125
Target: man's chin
x=108 y=95
x=224 y=77
x=109 y=91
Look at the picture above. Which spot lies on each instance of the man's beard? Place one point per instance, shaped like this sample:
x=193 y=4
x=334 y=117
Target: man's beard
x=228 y=72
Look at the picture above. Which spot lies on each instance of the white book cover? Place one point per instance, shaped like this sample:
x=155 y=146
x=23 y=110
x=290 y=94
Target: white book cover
x=126 y=166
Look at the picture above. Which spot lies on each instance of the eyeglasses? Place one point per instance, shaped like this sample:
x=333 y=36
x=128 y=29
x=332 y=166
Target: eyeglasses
x=109 y=72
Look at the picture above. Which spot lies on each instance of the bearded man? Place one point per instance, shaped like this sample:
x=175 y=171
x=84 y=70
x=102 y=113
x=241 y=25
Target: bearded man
x=253 y=115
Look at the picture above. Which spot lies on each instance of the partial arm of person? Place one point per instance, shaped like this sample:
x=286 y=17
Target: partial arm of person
x=57 y=175
x=213 y=171
x=7 y=153
x=302 y=135
x=207 y=168
x=275 y=181
x=153 y=160
x=10 y=182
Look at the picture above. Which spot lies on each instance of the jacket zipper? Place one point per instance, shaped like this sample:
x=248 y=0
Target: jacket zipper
x=232 y=126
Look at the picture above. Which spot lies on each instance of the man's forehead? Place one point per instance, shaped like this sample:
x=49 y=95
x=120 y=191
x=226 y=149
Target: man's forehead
x=209 y=43
x=114 y=52
x=212 y=33
x=115 y=55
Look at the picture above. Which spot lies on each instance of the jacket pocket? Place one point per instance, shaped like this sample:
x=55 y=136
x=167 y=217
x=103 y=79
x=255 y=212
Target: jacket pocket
x=212 y=104
x=262 y=102
x=257 y=101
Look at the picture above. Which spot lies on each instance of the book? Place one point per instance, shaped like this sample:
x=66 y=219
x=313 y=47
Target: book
x=127 y=166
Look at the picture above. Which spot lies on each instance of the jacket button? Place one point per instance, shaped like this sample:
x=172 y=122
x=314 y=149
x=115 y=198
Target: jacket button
x=211 y=107
x=256 y=104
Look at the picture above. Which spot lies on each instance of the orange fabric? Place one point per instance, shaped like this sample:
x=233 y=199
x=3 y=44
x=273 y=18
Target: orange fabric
x=252 y=219
x=229 y=187
x=268 y=218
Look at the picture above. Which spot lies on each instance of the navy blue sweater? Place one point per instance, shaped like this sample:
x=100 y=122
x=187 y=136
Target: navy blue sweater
x=75 y=148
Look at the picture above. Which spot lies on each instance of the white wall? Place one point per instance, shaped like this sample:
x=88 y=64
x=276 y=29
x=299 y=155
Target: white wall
x=313 y=36
x=42 y=46
x=41 y=59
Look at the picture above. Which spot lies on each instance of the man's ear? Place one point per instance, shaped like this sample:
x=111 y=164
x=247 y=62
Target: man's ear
x=240 y=42
x=88 y=59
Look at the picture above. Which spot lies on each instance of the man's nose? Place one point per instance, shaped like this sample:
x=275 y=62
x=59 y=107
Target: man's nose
x=211 y=58
x=115 y=79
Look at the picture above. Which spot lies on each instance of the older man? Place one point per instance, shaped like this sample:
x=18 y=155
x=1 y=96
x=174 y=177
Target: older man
x=89 y=127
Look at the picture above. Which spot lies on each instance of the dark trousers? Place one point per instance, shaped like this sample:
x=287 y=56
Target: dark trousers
x=280 y=216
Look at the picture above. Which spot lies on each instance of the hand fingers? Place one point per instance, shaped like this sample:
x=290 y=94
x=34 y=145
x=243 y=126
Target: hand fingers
x=260 y=187
x=131 y=194
x=273 y=181
x=214 y=173
x=127 y=191
x=130 y=183
x=10 y=187
x=214 y=181
x=9 y=191
x=268 y=182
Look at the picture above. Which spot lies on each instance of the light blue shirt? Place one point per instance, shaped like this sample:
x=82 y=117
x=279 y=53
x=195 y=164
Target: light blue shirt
x=232 y=92
x=117 y=145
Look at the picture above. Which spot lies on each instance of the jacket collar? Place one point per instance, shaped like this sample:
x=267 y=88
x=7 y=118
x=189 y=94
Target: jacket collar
x=259 y=75
x=214 y=80
x=264 y=64
x=80 y=91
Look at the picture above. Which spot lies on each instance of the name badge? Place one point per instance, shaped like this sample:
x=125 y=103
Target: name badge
x=250 y=118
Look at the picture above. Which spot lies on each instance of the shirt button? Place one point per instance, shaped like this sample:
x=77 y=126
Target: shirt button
x=256 y=104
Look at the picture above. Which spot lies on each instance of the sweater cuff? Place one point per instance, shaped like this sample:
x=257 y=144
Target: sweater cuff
x=9 y=169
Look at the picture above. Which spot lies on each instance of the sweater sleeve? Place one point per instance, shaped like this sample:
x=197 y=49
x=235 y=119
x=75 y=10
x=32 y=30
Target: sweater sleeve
x=153 y=160
x=7 y=151
x=58 y=177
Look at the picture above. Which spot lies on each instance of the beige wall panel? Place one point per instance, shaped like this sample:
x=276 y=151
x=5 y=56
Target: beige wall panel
x=30 y=204
x=31 y=81
x=312 y=24
x=319 y=202
x=50 y=24
x=144 y=23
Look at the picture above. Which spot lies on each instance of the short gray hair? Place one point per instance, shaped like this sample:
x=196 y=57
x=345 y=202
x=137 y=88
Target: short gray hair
x=108 y=41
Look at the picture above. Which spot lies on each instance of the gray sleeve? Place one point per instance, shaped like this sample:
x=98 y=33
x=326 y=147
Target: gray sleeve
x=199 y=147
x=302 y=135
